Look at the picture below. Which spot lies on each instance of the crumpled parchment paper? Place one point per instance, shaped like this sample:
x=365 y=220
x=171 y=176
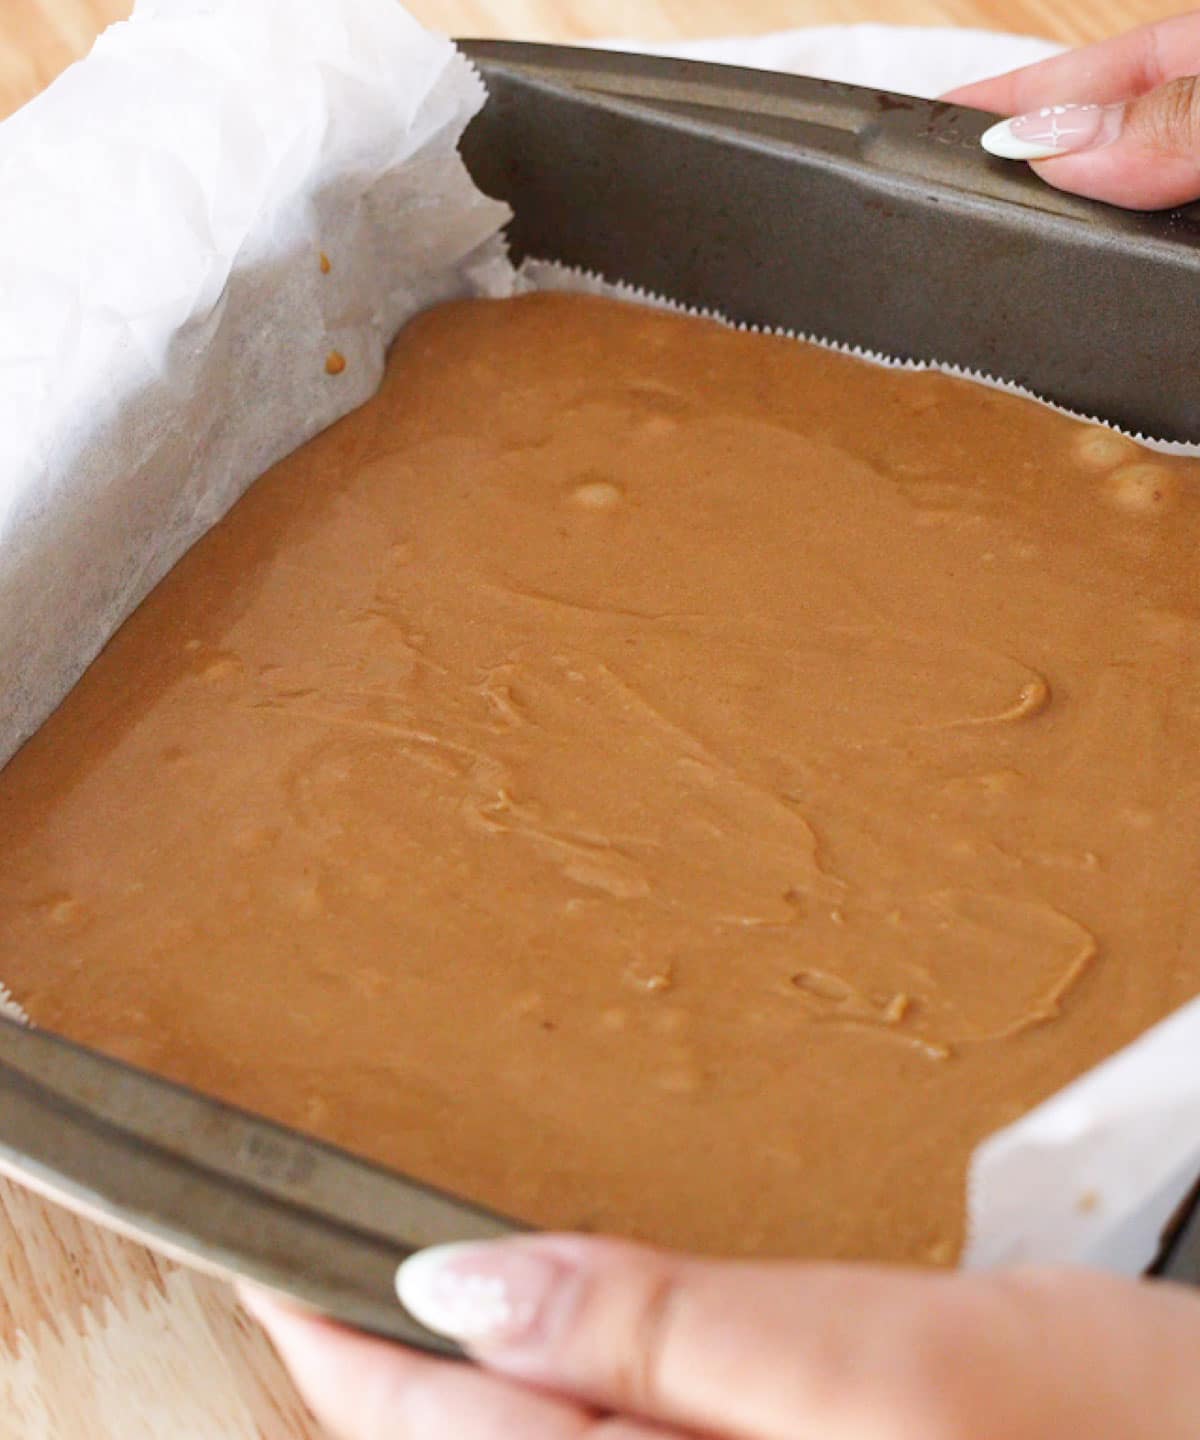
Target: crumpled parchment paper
x=166 y=320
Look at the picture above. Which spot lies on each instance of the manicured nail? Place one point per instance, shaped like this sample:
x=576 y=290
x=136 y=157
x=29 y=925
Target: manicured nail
x=479 y=1294
x=1056 y=130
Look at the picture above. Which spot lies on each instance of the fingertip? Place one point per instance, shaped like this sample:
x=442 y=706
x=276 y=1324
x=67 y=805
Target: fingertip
x=293 y=1334
x=351 y=1382
x=274 y=1311
x=317 y=1351
x=971 y=96
x=358 y=1386
x=997 y=95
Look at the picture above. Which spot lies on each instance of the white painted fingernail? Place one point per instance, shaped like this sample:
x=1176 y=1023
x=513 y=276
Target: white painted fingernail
x=1056 y=130
x=484 y=1295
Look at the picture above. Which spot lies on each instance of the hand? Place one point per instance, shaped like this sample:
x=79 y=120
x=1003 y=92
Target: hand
x=594 y=1340
x=1118 y=121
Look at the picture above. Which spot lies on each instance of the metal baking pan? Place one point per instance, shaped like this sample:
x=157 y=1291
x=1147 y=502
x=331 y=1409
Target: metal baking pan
x=868 y=218
x=850 y=214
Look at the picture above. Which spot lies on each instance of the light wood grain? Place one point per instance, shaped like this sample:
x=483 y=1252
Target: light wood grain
x=98 y=1338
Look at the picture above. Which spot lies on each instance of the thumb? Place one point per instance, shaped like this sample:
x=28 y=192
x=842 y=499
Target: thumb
x=752 y=1350
x=760 y=1351
x=1143 y=155
x=756 y=1351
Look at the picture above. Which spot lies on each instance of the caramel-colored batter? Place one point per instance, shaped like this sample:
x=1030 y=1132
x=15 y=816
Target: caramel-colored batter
x=642 y=776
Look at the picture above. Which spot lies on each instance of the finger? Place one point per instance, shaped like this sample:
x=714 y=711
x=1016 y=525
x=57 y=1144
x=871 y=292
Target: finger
x=737 y=1349
x=363 y=1389
x=815 y=1352
x=1144 y=155
x=1103 y=74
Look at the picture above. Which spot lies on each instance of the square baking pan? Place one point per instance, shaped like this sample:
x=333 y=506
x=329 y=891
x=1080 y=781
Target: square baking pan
x=867 y=218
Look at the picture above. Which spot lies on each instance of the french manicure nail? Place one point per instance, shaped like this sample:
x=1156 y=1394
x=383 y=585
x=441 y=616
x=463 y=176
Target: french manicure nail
x=479 y=1294
x=1056 y=130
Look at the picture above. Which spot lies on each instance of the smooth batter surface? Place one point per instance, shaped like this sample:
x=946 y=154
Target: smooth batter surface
x=642 y=776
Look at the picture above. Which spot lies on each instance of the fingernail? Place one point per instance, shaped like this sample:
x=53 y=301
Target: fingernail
x=479 y=1294
x=1056 y=130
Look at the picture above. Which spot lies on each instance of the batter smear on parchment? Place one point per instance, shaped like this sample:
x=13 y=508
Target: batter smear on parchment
x=642 y=776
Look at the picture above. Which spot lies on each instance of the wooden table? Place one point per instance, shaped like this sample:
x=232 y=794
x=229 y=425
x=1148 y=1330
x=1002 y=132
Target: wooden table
x=98 y=1338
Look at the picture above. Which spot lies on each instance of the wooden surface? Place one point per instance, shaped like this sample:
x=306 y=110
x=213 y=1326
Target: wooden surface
x=98 y=1338
x=39 y=37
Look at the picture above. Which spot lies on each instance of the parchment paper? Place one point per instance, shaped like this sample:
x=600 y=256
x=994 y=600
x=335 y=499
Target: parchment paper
x=166 y=326
x=165 y=322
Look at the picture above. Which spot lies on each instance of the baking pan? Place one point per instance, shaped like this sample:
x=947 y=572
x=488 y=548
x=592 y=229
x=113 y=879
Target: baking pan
x=858 y=216
x=218 y=1188
x=850 y=214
